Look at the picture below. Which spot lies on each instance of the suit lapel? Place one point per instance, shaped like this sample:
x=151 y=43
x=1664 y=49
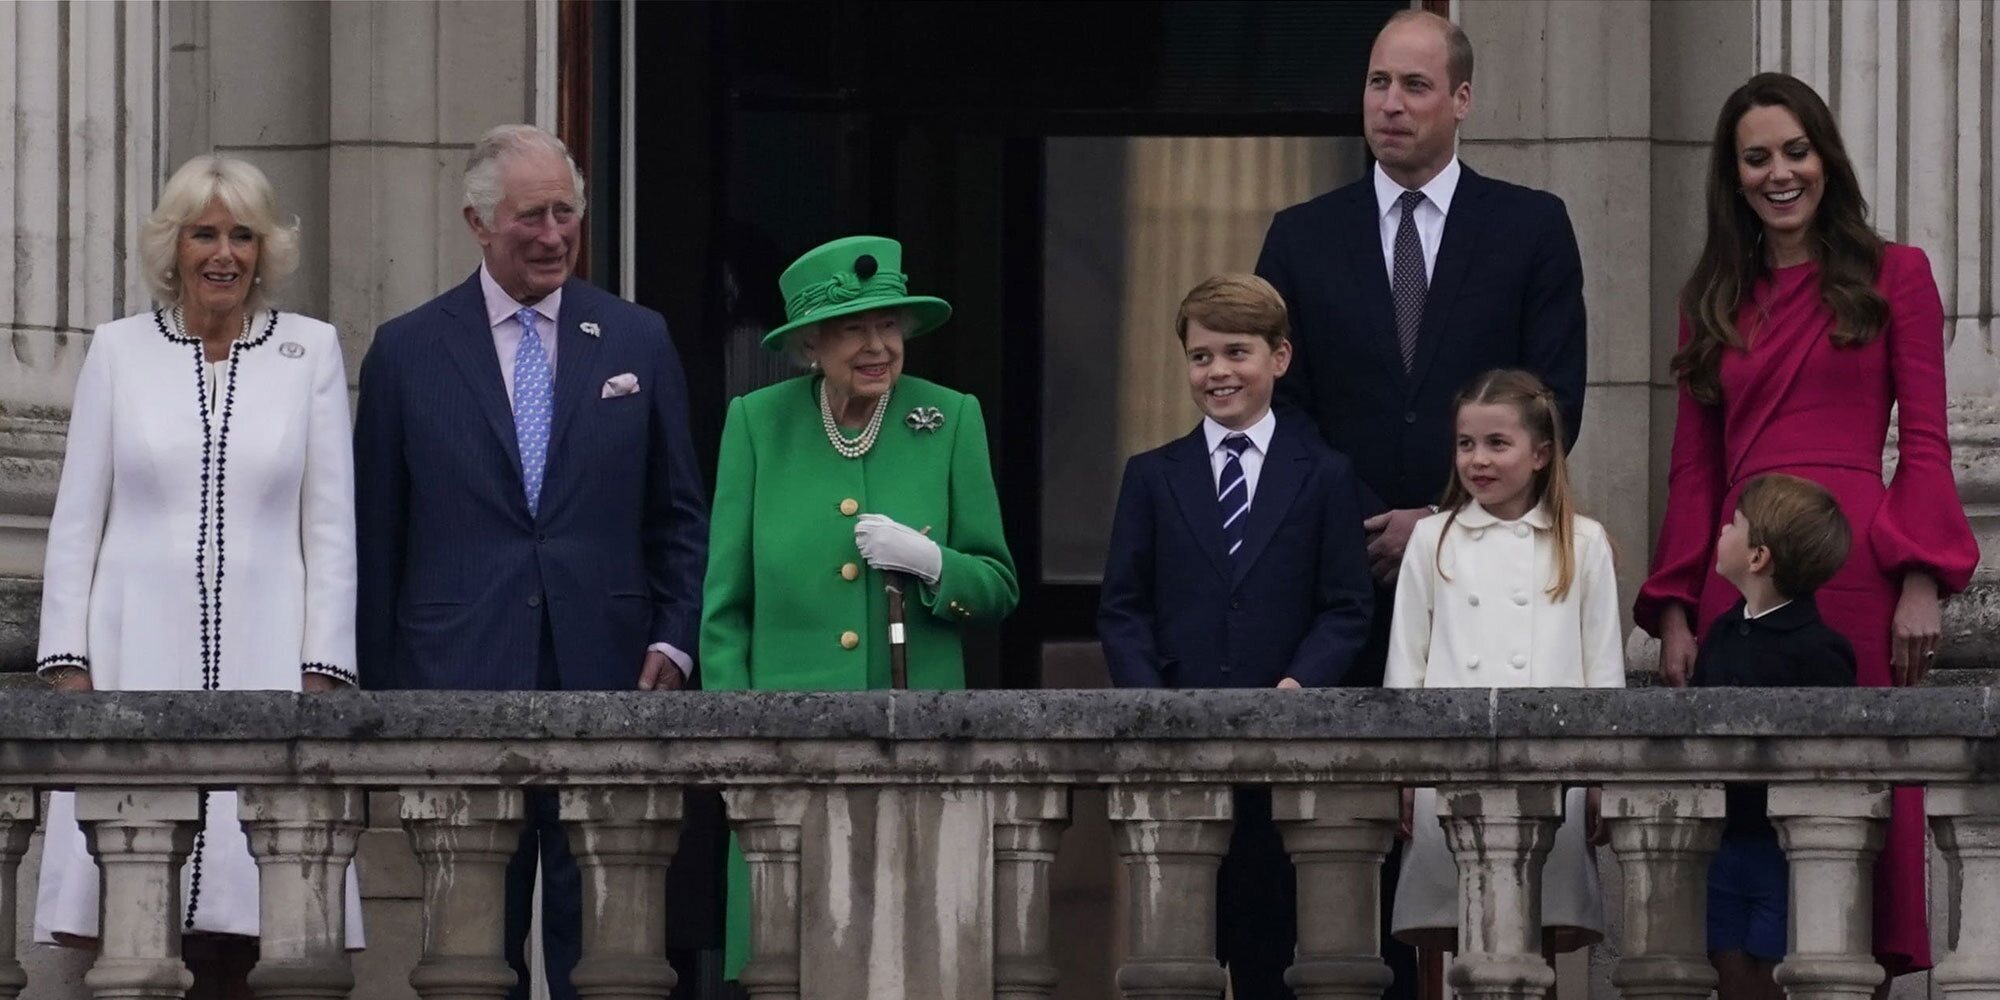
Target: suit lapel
x=1277 y=487
x=1363 y=225
x=1193 y=485
x=576 y=361
x=470 y=345
x=1462 y=228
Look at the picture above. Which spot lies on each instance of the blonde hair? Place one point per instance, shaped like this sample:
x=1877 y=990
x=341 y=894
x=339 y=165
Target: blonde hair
x=246 y=193
x=1536 y=404
x=1236 y=303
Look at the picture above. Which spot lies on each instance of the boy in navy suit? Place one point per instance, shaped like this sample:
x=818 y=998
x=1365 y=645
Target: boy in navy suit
x=1788 y=538
x=1200 y=591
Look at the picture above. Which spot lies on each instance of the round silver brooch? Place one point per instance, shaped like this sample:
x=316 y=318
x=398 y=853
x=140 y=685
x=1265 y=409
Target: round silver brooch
x=292 y=349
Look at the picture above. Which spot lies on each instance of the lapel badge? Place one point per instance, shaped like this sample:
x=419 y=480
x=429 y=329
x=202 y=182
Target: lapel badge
x=590 y=328
x=292 y=349
x=925 y=418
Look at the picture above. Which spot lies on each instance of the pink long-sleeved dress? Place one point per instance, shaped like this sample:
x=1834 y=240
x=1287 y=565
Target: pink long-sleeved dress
x=1794 y=402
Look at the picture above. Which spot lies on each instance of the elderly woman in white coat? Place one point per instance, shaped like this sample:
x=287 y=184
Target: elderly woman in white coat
x=203 y=534
x=1506 y=586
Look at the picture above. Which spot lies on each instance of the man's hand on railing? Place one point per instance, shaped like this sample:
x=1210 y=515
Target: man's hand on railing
x=1677 y=646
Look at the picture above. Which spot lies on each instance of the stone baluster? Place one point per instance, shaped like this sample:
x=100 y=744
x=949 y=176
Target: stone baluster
x=17 y=823
x=140 y=837
x=1966 y=821
x=1500 y=836
x=463 y=839
x=624 y=839
x=1337 y=836
x=1027 y=825
x=1171 y=838
x=303 y=839
x=1664 y=836
x=1831 y=834
x=767 y=823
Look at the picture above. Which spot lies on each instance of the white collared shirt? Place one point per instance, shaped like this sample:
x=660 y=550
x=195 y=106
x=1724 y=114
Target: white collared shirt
x=1748 y=617
x=502 y=315
x=1252 y=459
x=1430 y=215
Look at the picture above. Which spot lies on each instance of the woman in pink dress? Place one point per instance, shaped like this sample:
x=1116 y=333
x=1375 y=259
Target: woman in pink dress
x=1800 y=329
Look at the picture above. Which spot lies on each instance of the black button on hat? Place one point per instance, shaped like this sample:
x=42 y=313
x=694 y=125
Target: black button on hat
x=864 y=266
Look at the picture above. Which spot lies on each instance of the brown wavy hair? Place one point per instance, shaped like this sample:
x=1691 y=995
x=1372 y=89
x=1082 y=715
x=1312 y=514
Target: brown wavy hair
x=1732 y=261
x=1536 y=403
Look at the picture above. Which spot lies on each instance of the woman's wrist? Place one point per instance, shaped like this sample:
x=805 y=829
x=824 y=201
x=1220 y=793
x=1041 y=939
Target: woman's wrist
x=1921 y=584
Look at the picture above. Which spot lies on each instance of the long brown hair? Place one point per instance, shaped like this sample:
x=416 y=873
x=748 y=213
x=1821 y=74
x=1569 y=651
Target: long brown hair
x=1540 y=415
x=1732 y=259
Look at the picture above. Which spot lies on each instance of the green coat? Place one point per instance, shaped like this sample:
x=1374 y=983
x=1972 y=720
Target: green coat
x=779 y=611
x=789 y=605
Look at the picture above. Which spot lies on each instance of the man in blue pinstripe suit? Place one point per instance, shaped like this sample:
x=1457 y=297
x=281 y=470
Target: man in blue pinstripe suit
x=530 y=513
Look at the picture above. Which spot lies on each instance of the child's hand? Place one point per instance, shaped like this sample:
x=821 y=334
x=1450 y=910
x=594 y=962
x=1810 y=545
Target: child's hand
x=1404 y=830
x=1594 y=826
x=1289 y=684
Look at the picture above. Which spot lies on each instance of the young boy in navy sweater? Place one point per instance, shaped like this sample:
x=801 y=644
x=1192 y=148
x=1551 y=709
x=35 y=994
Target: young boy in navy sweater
x=1787 y=539
x=1237 y=561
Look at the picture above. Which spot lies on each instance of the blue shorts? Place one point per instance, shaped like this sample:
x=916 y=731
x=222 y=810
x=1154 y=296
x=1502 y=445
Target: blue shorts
x=1747 y=893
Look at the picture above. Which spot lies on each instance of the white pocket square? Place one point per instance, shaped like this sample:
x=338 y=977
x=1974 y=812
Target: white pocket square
x=620 y=385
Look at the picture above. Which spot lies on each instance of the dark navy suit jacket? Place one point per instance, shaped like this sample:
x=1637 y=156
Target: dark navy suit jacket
x=1176 y=610
x=1506 y=292
x=456 y=577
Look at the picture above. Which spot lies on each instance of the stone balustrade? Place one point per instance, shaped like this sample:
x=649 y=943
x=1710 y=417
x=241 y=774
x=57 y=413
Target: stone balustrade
x=1334 y=760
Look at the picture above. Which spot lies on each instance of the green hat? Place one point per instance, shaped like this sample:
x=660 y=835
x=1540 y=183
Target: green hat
x=848 y=276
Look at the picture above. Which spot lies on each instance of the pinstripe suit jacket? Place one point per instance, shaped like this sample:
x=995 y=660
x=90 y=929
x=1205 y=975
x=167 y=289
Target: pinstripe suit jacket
x=456 y=576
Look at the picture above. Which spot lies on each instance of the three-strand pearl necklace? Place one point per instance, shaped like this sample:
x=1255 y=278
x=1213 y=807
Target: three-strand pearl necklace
x=859 y=446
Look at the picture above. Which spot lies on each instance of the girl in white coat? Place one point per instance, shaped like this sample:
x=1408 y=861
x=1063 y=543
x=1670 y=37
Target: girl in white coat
x=1506 y=586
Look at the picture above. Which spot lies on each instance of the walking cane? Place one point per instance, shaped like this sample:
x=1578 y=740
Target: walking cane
x=899 y=663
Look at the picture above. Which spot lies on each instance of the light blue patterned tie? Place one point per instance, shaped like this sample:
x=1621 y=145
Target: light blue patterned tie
x=533 y=406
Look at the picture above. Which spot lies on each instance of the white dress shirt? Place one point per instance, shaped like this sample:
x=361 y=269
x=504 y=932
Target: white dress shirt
x=1430 y=215
x=1781 y=605
x=503 y=314
x=1252 y=459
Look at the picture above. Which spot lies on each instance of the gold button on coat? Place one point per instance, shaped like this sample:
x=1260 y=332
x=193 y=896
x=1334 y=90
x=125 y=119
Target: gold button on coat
x=850 y=572
x=849 y=507
x=849 y=640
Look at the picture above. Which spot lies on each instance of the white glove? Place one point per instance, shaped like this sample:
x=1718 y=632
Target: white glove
x=898 y=548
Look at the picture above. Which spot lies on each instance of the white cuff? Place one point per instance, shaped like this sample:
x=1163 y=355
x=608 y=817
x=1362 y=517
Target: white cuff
x=681 y=660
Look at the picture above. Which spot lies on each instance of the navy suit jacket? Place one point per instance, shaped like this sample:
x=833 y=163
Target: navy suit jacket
x=1506 y=292
x=1177 y=612
x=456 y=577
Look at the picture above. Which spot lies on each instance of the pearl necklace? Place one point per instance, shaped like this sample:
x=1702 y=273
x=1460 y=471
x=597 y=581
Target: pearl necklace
x=180 y=325
x=859 y=446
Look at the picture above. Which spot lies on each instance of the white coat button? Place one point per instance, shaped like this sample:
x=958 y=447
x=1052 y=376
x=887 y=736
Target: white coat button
x=1472 y=663
x=1473 y=600
x=1520 y=531
x=1521 y=598
x=1520 y=661
x=1478 y=533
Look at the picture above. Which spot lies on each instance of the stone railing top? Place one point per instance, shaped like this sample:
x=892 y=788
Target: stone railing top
x=1347 y=715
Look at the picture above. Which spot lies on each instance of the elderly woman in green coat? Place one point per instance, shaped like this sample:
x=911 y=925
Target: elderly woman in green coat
x=830 y=481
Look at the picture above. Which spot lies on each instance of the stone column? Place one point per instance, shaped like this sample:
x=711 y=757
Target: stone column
x=1171 y=838
x=624 y=839
x=17 y=824
x=1831 y=834
x=1664 y=836
x=463 y=838
x=303 y=839
x=140 y=837
x=1027 y=826
x=1500 y=836
x=1337 y=836
x=767 y=822
x=1966 y=822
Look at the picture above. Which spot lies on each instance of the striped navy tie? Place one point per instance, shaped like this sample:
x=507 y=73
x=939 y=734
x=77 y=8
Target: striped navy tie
x=1233 y=498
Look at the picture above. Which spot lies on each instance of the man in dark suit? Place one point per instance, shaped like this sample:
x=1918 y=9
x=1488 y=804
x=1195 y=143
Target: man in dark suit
x=530 y=514
x=1236 y=561
x=1405 y=285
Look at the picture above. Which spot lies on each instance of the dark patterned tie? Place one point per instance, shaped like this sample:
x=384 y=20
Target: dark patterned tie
x=1232 y=497
x=1410 y=284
